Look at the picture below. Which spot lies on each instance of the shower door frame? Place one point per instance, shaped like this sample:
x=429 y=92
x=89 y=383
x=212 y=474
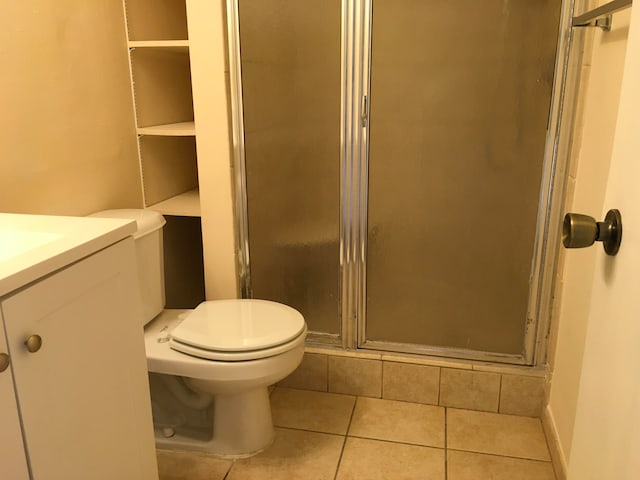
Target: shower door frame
x=354 y=152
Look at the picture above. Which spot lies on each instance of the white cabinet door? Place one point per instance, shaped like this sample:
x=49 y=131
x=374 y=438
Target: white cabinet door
x=13 y=463
x=83 y=395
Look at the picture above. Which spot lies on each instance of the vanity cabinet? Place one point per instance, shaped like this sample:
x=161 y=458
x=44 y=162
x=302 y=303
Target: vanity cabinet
x=13 y=461
x=75 y=401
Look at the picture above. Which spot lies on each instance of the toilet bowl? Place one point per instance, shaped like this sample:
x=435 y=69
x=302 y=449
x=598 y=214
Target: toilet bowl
x=242 y=424
x=231 y=349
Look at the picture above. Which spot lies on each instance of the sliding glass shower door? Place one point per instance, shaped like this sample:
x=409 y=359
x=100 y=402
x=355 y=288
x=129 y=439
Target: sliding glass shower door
x=389 y=158
x=290 y=63
x=460 y=96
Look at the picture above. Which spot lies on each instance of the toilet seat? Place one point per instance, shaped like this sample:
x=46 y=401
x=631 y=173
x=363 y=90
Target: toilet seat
x=238 y=330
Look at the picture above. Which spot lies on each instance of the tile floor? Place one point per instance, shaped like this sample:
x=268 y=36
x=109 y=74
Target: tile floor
x=329 y=436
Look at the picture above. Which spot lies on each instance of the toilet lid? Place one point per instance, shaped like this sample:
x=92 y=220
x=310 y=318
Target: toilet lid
x=239 y=325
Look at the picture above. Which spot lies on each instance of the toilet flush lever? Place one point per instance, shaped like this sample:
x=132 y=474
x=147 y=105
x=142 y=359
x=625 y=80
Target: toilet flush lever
x=579 y=231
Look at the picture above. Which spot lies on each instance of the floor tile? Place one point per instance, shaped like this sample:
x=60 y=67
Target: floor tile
x=307 y=410
x=177 y=465
x=294 y=455
x=476 y=466
x=398 y=421
x=377 y=460
x=496 y=434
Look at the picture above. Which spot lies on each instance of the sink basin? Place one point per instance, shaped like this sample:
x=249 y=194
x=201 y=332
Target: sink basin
x=32 y=246
x=16 y=242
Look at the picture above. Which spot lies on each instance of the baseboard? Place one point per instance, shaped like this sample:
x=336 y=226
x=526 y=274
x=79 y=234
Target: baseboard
x=553 y=441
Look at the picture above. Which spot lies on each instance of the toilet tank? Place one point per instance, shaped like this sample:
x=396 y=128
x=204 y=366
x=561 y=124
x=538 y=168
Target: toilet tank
x=149 y=258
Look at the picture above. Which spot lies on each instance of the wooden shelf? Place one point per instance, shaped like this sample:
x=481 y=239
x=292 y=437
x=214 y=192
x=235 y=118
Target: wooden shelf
x=186 y=204
x=181 y=129
x=181 y=46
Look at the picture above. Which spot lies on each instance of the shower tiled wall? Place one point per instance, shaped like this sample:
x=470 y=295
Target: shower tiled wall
x=467 y=385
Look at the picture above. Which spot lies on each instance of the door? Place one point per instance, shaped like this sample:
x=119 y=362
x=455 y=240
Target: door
x=454 y=121
x=459 y=114
x=13 y=463
x=290 y=77
x=606 y=438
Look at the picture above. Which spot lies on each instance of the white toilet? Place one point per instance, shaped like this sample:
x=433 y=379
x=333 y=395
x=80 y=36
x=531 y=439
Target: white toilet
x=231 y=349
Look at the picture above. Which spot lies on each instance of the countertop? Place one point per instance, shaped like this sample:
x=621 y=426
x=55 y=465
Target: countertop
x=32 y=246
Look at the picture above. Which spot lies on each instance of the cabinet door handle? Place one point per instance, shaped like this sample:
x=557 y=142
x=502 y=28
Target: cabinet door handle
x=33 y=343
x=4 y=362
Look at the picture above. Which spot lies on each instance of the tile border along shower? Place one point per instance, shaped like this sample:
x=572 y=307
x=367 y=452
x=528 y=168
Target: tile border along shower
x=468 y=385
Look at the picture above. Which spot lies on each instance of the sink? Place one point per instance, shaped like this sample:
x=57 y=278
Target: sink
x=17 y=242
x=32 y=246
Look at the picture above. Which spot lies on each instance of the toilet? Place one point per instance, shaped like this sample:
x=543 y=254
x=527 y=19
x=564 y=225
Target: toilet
x=232 y=349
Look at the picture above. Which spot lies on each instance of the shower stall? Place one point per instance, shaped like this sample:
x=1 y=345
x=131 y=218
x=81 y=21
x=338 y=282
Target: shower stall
x=395 y=164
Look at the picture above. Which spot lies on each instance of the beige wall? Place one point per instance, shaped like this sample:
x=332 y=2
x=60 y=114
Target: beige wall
x=593 y=142
x=68 y=140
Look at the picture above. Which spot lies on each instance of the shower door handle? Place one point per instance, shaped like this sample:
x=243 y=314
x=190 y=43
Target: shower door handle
x=579 y=231
x=364 y=111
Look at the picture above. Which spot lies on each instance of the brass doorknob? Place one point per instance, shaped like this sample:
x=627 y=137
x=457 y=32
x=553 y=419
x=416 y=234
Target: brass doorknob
x=4 y=362
x=33 y=343
x=579 y=231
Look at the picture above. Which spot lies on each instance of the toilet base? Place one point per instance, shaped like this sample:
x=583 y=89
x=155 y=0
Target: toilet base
x=242 y=424
x=242 y=427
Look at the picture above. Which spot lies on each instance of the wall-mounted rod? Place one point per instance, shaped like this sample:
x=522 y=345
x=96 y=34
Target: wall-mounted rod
x=595 y=17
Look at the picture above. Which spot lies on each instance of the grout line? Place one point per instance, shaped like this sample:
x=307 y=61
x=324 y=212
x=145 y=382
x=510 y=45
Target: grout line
x=396 y=442
x=446 y=472
x=501 y=456
x=328 y=389
x=344 y=443
x=494 y=413
x=320 y=392
x=500 y=394
x=226 y=475
x=439 y=384
x=353 y=411
x=310 y=431
x=434 y=405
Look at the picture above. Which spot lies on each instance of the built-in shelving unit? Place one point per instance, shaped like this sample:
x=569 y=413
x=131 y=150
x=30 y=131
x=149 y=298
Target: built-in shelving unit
x=161 y=82
x=177 y=55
